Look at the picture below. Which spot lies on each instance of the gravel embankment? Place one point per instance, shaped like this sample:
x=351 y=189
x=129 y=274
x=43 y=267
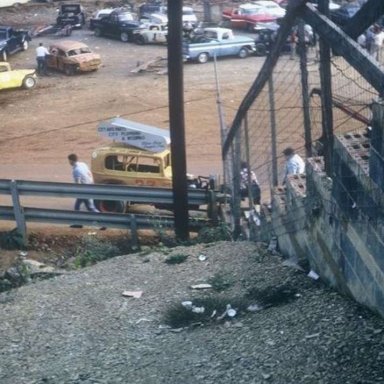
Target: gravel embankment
x=78 y=328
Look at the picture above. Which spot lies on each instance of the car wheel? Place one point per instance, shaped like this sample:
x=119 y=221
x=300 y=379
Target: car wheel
x=29 y=82
x=243 y=53
x=110 y=206
x=4 y=55
x=69 y=70
x=203 y=58
x=25 y=45
x=261 y=49
x=124 y=37
x=97 y=32
x=140 y=40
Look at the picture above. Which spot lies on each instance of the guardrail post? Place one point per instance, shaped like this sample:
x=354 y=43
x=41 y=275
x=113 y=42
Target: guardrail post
x=18 y=212
x=212 y=207
x=134 y=236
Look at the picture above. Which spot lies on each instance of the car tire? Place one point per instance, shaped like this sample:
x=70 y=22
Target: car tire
x=69 y=70
x=261 y=49
x=243 y=53
x=25 y=45
x=140 y=40
x=4 y=55
x=124 y=37
x=29 y=82
x=97 y=32
x=203 y=58
x=110 y=206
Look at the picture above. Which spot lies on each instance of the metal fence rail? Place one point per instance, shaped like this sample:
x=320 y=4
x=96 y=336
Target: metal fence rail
x=143 y=195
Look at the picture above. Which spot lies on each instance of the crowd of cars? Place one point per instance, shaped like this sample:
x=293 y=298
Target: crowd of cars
x=149 y=25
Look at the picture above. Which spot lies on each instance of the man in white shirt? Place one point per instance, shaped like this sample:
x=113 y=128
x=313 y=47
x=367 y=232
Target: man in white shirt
x=41 y=53
x=294 y=163
x=81 y=175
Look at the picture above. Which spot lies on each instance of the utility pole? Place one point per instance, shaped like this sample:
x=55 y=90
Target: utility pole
x=176 y=118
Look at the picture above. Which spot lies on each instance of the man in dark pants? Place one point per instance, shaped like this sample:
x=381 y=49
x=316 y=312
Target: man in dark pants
x=41 y=58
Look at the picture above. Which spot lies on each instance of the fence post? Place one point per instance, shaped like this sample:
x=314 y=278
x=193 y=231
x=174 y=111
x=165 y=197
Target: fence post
x=304 y=89
x=271 y=91
x=18 y=212
x=134 y=236
x=236 y=198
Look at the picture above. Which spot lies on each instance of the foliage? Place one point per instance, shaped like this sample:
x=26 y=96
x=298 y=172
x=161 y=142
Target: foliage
x=177 y=258
x=221 y=281
x=213 y=234
x=93 y=250
x=11 y=240
x=179 y=316
x=273 y=296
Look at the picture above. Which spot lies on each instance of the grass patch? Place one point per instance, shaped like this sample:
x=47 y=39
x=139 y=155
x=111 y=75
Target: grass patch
x=273 y=296
x=93 y=250
x=221 y=281
x=178 y=316
x=177 y=258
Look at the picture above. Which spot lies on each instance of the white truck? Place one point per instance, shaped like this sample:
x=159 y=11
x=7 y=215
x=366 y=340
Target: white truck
x=11 y=3
x=217 y=42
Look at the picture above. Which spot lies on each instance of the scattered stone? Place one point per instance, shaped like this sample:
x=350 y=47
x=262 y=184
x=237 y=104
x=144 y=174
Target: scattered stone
x=201 y=286
x=135 y=294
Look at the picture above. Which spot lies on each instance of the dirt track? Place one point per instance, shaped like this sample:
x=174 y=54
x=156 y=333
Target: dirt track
x=40 y=127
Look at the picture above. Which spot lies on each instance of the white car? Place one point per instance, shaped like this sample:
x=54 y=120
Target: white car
x=271 y=8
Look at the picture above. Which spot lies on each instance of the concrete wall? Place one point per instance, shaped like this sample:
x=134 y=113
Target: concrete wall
x=337 y=224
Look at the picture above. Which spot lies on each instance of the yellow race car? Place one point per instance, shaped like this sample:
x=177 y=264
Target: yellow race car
x=18 y=78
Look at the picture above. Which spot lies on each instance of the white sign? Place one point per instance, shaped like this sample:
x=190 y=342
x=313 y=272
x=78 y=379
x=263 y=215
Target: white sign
x=138 y=135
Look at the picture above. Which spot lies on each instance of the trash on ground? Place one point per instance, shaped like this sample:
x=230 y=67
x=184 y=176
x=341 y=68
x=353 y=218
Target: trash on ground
x=254 y=308
x=201 y=286
x=198 y=309
x=202 y=257
x=135 y=294
x=313 y=275
x=312 y=336
x=23 y=254
x=292 y=264
x=187 y=304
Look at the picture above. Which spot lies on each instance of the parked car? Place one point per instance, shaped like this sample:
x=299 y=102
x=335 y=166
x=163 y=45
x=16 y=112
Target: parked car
x=71 y=14
x=16 y=78
x=119 y=24
x=217 y=42
x=99 y=15
x=153 y=33
x=247 y=16
x=72 y=57
x=271 y=8
x=342 y=15
x=12 y=41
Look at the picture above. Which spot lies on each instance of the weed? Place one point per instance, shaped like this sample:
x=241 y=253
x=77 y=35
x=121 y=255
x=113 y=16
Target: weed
x=221 y=281
x=93 y=250
x=273 y=296
x=177 y=258
x=213 y=234
x=179 y=316
x=11 y=240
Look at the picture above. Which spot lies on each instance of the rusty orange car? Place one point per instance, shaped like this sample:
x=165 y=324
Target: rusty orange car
x=72 y=57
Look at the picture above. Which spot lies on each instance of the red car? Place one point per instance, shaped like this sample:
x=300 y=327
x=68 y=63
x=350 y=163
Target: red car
x=248 y=16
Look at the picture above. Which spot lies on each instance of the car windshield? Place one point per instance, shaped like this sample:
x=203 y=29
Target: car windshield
x=79 y=51
x=126 y=17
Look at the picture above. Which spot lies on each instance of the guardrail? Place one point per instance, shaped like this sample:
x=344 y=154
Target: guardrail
x=141 y=195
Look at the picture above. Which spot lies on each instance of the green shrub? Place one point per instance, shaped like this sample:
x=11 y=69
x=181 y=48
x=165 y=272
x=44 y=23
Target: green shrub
x=177 y=258
x=221 y=281
x=93 y=250
x=213 y=234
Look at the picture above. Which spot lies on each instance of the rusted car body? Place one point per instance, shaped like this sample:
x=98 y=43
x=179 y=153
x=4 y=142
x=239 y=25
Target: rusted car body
x=72 y=57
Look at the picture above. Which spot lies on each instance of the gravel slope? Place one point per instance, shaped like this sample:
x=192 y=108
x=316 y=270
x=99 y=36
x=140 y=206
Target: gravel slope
x=78 y=328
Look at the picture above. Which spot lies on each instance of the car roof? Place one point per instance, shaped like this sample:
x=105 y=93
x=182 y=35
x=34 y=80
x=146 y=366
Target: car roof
x=67 y=45
x=249 y=6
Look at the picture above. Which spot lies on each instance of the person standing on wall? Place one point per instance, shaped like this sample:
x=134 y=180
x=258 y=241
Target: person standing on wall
x=294 y=163
x=81 y=175
x=41 y=58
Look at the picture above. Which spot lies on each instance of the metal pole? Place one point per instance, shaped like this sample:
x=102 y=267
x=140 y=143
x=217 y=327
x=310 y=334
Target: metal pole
x=275 y=180
x=248 y=160
x=305 y=89
x=176 y=118
x=236 y=198
x=326 y=94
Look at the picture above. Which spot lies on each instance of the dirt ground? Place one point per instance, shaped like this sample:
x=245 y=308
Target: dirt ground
x=41 y=126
